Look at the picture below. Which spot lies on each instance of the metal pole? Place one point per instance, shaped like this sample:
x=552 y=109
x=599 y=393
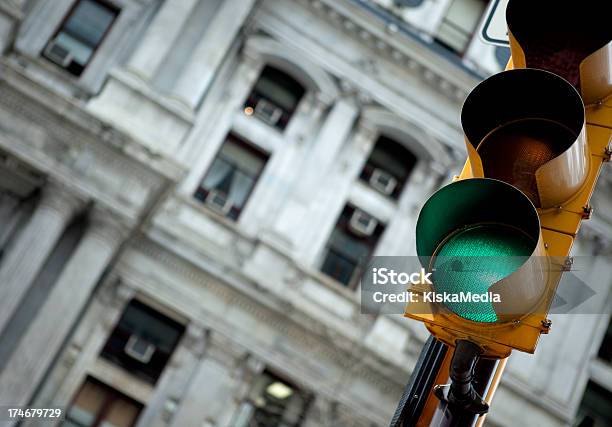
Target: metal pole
x=421 y=382
x=419 y=406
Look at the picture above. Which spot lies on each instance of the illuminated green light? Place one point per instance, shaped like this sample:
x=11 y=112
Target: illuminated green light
x=475 y=258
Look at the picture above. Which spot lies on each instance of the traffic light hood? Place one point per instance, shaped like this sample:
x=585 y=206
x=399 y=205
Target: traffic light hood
x=526 y=127
x=559 y=37
x=470 y=202
x=482 y=235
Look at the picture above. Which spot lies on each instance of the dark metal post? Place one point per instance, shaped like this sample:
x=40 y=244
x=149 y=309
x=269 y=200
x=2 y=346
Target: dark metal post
x=410 y=410
x=420 y=385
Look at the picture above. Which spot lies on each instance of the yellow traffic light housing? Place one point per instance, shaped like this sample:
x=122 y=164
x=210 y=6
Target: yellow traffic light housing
x=534 y=155
x=469 y=236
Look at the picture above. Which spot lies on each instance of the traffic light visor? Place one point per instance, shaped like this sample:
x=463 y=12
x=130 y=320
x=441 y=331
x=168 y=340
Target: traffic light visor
x=557 y=36
x=479 y=236
x=526 y=127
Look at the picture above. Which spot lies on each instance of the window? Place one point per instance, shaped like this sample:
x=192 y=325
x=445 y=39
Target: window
x=351 y=245
x=143 y=341
x=273 y=402
x=231 y=177
x=97 y=405
x=80 y=35
x=274 y=98
x=408 y=3
x=605 y=350
x=388 y=167
x=459 y=24
x=595 y=409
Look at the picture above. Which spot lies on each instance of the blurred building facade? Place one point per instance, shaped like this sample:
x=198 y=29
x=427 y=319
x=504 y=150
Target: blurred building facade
x=187 y=190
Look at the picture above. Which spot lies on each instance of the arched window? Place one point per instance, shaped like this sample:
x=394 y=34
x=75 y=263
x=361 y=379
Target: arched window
x=80 y=35
x=274 y=98
x=232 y=176
x=351 y=245
x=388 y=167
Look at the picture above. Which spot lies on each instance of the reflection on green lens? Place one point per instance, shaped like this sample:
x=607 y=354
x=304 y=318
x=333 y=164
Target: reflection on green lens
x=475 y=258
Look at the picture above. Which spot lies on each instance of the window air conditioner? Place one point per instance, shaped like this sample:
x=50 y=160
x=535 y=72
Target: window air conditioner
x=218 y=202
x=139 y=349
x=363 y=224
x=268 y=112
x=58 y=54
x=383 y=181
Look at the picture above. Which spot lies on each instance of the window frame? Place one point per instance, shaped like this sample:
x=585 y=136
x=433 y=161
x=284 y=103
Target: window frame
x=401 y=185
x=119 y=359
x=592 y=388
x=290 y=114
x=242 y=143
x=344 y=227
x=63 y=22
x=112 y=395
x=41 y=23
x=307 y=397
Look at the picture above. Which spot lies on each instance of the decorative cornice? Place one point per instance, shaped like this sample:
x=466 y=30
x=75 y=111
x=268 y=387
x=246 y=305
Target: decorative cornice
x=12 y=8
x=388 y=46
x=75 y=123
x=86 y=160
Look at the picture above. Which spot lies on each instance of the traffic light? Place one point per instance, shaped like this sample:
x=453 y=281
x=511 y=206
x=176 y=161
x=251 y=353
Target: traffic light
x=504 y=228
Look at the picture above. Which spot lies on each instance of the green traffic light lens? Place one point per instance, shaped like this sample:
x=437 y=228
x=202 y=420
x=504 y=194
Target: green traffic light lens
x=473 y=259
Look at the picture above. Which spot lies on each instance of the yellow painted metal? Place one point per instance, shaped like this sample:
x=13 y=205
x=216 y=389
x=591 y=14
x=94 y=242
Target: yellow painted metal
x=499 y=371
x=580 y=37
x=526 y=128
x=596 y=76
x=560 y=223
x=559 y=227
x=566 y=217
x=498 y=339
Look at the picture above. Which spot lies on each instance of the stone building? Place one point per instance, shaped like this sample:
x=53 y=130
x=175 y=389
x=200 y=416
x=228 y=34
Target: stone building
x=187 y=188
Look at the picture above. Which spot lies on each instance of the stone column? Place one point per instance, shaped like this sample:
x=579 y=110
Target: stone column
x=333 y=135
x=160 y=37
x=27 y=256
x=313 y=168
x=10 y=213
x=210 y=52
x=285 y=167
x=94 y=328
x=215 y=119
x=420 y=185
x=332 y=194
x=45 y=335
x=216 y=388
x=174 y=382
x=90 y=337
